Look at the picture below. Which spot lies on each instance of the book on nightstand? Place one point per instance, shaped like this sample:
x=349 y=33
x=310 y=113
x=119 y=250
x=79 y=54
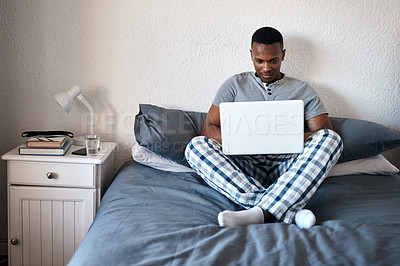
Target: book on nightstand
x=25 y=150
x=46 y=142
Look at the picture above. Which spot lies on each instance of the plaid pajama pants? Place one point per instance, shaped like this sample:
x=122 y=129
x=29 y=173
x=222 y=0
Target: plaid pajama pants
x=280 y=184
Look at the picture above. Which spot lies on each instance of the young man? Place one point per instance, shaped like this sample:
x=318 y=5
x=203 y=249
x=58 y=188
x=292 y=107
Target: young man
x=268 y=187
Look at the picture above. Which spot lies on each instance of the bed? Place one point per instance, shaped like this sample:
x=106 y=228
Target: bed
x=159 y=212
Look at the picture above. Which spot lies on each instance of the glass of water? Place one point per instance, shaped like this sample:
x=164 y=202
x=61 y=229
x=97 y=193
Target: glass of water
x=92 y=143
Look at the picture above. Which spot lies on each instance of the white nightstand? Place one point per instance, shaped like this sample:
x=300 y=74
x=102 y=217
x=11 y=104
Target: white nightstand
x=52 y=201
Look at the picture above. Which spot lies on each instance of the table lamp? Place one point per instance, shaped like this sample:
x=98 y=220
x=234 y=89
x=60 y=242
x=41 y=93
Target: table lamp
x=66 y=101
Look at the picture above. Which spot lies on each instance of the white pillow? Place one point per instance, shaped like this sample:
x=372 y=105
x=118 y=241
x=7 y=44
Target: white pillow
x=376 y=165
x=373 y=165
x=145 y=156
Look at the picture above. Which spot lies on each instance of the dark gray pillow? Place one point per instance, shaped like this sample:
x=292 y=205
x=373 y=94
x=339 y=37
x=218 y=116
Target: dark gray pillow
x=167 y=132
x=363 y=139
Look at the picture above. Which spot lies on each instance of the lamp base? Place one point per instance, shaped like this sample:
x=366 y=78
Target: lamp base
x=79 y=140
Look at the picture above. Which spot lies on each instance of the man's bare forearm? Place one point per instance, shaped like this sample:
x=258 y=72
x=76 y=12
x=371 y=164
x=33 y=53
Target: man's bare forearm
x=212 y=131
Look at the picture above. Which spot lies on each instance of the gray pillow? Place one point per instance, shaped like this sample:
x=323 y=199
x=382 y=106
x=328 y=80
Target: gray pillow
x=167 y=132
x=363 y=139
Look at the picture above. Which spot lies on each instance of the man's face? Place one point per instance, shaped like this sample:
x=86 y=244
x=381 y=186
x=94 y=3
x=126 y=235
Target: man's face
x=267 y=59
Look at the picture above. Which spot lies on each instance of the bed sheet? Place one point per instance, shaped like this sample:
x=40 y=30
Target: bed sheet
x=153 y=217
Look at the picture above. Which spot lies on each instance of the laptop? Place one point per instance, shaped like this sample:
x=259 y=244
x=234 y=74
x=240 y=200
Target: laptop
x=262 y=127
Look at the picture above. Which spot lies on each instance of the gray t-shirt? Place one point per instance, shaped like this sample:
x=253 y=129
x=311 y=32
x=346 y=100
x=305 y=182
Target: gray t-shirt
x=248 y=87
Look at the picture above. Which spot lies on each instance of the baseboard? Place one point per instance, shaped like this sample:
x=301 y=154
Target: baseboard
x=3 y=247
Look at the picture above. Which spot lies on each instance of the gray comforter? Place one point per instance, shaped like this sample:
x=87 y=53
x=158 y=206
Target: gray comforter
x=152 y=217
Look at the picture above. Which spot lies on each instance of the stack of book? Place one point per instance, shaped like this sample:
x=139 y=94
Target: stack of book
x=42 y=145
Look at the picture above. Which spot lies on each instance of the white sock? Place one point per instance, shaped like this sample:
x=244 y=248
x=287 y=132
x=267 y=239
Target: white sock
x=305 y=219
x=254 y=215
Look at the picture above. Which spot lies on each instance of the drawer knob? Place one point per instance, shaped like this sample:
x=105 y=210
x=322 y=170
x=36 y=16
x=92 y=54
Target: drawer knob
x=50 y=175
x=14 y=241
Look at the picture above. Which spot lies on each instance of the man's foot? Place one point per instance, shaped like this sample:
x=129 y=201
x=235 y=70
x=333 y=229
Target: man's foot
x=255 y=215
x=305 y=219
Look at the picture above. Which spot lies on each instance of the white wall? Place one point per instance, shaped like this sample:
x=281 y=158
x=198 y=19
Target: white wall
x=176 y=54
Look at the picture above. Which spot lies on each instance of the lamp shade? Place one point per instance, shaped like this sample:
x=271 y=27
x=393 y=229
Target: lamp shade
x=66 y=99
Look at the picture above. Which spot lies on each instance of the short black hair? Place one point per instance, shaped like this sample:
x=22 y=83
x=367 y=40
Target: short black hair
x=267 y=35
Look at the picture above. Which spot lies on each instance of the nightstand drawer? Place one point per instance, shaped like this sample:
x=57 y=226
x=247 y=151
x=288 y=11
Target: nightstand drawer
x=51 y=174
